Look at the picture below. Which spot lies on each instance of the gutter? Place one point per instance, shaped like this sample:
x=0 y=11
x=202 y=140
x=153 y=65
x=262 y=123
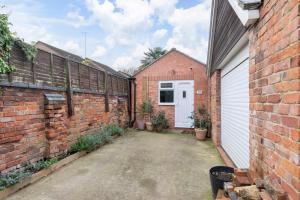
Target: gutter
x=246 y=10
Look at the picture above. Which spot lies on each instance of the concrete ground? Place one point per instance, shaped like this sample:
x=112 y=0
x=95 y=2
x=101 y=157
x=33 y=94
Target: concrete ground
x=137 y=166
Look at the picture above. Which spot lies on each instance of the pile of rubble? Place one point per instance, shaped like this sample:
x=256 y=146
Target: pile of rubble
x=241 y=188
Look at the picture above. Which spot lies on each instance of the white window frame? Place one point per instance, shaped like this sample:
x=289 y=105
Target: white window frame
x=166 y=89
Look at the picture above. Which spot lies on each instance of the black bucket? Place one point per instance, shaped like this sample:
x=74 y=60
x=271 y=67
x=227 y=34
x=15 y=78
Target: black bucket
x=217 y=180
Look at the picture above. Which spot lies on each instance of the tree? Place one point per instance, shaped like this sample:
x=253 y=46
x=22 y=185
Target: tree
x=130 y=71
x=151 y=55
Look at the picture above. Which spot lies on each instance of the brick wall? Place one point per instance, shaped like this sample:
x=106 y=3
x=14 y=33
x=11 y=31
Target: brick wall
x=274 y=95
x=31 y=130
x=174 y=66
x=215 y=106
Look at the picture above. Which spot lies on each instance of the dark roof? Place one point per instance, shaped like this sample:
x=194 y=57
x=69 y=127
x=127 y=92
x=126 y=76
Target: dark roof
x=62 y=53
x=173 y=49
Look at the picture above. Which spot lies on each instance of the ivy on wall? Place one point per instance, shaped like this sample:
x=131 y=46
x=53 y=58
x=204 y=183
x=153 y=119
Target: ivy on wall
x=7 y=41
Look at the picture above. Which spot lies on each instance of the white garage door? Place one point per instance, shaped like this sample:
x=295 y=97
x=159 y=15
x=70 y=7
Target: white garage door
x=235 y=109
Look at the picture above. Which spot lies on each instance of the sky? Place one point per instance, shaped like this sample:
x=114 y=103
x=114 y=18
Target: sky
x=118 y=32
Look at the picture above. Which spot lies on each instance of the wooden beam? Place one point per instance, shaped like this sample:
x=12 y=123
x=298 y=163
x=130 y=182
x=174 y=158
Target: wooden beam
x=33 y=71
x=106 y=93
x=51 y=69
x=69 y=89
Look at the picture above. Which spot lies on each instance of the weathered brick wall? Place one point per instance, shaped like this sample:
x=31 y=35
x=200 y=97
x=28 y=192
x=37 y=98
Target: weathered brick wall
x=174 y=66
x=215 y=106
x=274 y=95
x=31 y=130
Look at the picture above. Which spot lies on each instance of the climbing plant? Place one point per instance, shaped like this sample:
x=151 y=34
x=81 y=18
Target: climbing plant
x=7 y=41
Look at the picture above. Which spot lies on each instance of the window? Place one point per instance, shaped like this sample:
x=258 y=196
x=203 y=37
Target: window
x=166 y=93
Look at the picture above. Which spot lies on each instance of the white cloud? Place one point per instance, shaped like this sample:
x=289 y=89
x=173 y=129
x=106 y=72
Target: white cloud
x=99 y=52
x=122 y=20
x=159 y=34
x=123 y=62
x=164 y=8
x=71 y=46
x=77 y=19
x=188 y=24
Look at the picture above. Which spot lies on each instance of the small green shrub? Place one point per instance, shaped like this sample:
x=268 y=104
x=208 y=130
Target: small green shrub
x=12 y=177
x=38 y=166
x=114 y=129
x=92 y=142
x=159 y=121
x=147 y=107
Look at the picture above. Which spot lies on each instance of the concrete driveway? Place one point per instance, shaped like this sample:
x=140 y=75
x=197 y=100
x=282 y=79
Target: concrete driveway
x=137 y=166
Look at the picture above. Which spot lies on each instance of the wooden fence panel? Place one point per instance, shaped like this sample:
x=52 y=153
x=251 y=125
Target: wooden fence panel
x=43 y=69
x=101 y=79
x=49 y=71
x=59 y=72
x=24 y=73
x=84 y=77
x=93 y=79
x=115 y=85
x=74 y=68
x=109 y=84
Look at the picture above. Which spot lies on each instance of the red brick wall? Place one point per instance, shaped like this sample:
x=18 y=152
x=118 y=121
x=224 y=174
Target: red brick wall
x=215 y=106
x=30 y=130
x=274 y=95
x=174 y=66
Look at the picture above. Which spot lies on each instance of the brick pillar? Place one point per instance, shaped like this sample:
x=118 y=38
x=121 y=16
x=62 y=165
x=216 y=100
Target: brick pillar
x=56 y=130
x=215 y=107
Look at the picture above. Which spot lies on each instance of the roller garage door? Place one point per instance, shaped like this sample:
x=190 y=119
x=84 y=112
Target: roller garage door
x=235 y=108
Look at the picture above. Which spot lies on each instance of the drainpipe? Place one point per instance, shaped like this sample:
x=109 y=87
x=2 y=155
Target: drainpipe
x=132 y=81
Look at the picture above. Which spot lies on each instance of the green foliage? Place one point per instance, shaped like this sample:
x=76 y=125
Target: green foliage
x=38 y=166
x=7 y=41
x=147 y=107
x=151 y=56
x=30 y=51
x=6 y=44
x=12 y=177
x=159 y=121
x=114 y=129
x=94 y=141
x=201 y=119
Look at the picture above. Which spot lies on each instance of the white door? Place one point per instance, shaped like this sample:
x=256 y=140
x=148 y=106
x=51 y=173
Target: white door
x=235 y=109
x=184 y=105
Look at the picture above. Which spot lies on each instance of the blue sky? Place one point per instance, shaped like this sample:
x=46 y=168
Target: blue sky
x=118 y=31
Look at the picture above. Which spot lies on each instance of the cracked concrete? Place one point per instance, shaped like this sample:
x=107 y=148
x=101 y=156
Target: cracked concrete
x=137 y=166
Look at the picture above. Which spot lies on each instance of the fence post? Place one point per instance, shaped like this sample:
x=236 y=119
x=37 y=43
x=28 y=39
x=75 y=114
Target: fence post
x=106 y=93
x=33 y=70
x=51 y=69
x=69 y=89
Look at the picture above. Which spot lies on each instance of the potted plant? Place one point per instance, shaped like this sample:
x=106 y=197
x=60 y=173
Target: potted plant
x=159 y=121
x=201 y=123
x=147 y=110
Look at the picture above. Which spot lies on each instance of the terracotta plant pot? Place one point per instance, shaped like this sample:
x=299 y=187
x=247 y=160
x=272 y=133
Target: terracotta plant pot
x=149 y=126
x=140 y=124
x=200 y=133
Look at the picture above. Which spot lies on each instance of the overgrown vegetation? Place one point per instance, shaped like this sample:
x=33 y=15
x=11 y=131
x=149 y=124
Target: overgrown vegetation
x=84 y=143
x=94 y=141
x=159 y=121
x=17 y=175
x=7 y=41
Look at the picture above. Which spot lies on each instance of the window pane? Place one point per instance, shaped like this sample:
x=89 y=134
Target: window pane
x=166 y=96
x=166 y=85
